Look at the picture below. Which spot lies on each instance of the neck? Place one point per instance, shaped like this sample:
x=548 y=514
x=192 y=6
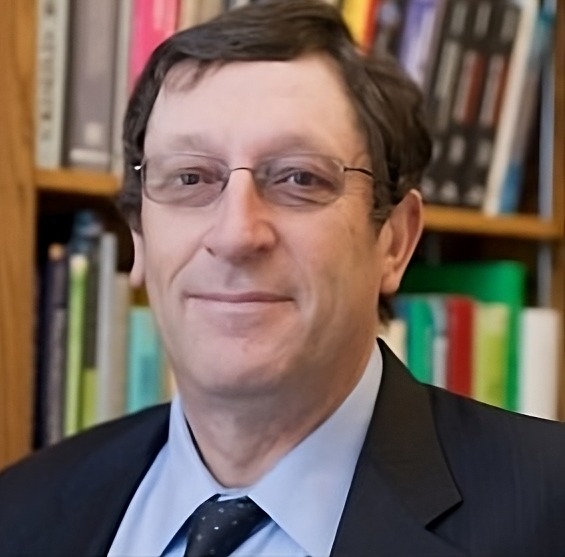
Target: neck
x=243 y=438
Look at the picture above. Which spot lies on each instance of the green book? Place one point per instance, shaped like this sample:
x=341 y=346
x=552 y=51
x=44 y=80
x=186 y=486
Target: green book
x=416 y=312
x=490 y=353
x=488 y=282
x=78 y=266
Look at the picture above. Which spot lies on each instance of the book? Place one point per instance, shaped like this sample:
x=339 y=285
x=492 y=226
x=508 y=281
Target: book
x=394 y=334
x=417 y=40
x=540 y=353
x=188 y=13
x=418 y=316
x=112 y=383
x=507 y=198
x=78 y=266
x=360 y=17
x=50 y=79
x=91 y=77
x=482 y=86
x=153 y=22
x=389 y=26
x=51 y=355
x=101 y=384
x=511 y=108
x=438 y=183
x=145 y=361
x=460 y=316
x=488 y=282
x=209 y=9
x=120 y=92
x=439 y=340
x=490 y=353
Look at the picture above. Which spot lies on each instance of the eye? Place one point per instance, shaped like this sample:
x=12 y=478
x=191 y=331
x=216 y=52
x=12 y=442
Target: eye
x=304 y=178
x=194 y=176
x=188 y=178
x=295 y=176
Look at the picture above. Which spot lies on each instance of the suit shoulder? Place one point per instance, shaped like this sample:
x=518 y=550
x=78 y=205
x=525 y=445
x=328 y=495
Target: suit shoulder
x=485 y=421
x=96 y=447
x=491 y=434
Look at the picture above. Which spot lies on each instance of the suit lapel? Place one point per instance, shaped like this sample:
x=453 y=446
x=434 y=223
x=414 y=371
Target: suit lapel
x=402 y=482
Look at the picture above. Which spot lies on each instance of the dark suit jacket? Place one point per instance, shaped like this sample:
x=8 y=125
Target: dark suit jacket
x=438 y=475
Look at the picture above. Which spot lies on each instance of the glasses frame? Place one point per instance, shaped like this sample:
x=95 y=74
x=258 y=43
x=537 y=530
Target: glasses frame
x=140 y=169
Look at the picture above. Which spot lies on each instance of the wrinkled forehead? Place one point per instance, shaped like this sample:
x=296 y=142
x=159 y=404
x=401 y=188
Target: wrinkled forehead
x=303 y=98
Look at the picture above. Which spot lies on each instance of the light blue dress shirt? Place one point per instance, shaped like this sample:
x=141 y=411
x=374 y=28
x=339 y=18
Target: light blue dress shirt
x=304 y=493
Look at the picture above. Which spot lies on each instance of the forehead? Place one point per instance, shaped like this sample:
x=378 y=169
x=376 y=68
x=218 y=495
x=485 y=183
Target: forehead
x=248 y=107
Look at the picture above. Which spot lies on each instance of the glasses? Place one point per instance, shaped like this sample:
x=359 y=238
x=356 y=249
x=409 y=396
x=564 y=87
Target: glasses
x=292 y=180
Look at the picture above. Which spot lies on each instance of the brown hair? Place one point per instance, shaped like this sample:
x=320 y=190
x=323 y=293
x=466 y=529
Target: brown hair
x=388 y=105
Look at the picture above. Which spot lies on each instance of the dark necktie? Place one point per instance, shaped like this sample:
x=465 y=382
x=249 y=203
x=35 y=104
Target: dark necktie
x=218 y=528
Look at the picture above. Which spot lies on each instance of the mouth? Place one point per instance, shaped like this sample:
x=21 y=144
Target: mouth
x=240 y=297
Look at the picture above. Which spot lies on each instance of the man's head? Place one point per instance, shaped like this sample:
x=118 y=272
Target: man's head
x=269 y=284
x=387 y=104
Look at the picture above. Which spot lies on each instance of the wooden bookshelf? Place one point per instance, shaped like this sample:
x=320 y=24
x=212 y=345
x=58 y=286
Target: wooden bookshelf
x=20 y=184
x=17 y=216
x=79 y=182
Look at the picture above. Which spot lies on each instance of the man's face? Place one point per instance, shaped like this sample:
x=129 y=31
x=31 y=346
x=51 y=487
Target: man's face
x=251 y=297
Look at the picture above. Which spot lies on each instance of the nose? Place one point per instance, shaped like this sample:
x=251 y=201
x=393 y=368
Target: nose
x=242 y=226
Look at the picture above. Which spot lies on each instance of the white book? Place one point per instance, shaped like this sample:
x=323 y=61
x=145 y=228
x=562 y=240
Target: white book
x=51 y=73
x=511 y=104
x=108 y=256
x=394 y=334
x=540 y=333
x=112 y=383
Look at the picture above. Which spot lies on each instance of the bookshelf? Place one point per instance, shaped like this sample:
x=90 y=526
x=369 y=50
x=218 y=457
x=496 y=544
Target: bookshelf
x=20 y=184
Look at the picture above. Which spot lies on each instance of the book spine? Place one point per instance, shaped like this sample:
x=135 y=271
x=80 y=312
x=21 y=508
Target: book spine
x=52 y=346
x=490 y=354
x=78 y=266
x=112 y=385
x=438 y=184
x=497 y=49
x=417 y=37
x=153 y=22
x=104 y=333
x=144 y=383
x=93 y=36
x=540 y=331
x=513 y=178
x=359 y=17
x=120 y=91
x=51 y=71
x=209 y=9
x=511 y=106
x=460 y=315
x=189 y=14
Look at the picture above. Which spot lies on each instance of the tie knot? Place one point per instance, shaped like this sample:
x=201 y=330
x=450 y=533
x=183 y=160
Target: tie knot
x=217 y=528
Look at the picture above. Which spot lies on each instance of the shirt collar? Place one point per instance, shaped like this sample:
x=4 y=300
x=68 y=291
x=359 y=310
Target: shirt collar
x=318 y=471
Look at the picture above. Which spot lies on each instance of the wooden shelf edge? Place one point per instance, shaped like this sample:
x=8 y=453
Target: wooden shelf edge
x=74 y=181
x=437 y=219
x=465 y=221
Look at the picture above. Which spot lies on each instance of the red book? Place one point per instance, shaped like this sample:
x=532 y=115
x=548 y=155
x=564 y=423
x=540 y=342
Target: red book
x=153 y=22
x=459 y=368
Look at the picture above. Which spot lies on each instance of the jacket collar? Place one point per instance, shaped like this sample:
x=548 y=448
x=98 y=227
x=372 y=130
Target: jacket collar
x=402 y=482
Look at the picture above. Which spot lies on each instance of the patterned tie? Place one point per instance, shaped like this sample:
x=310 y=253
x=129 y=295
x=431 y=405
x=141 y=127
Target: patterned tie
x=218 y=528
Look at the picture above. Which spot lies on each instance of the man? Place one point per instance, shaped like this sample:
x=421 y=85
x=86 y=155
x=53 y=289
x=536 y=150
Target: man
x=270 y=188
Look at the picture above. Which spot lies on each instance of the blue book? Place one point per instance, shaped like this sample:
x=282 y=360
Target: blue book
x=145 y=361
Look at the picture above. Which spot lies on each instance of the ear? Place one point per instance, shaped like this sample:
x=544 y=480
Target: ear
x=401 y=233
x=137 y=273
